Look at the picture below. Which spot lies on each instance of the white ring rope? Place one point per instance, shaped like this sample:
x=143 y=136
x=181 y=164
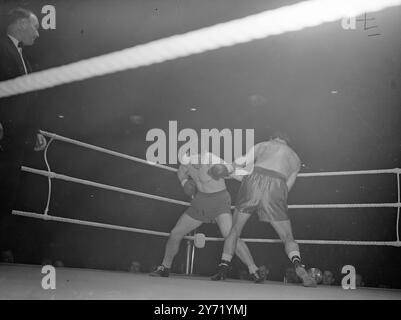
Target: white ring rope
x=340 y=242
x=87 y=223
x=347 y=173
x=54 y=175
x=155 y=197
x=164 y=234
x=343 y=206
x=125 y=156
x=100 y=149
x=258 y=26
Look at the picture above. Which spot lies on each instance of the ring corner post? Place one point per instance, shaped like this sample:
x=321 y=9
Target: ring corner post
x=398 y=171
x=188 y=260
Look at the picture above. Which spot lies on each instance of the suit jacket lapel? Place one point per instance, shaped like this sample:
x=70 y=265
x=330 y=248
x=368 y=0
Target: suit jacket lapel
x=17 y=57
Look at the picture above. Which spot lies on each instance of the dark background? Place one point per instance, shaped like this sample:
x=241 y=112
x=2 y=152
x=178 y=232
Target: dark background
x=294 y=78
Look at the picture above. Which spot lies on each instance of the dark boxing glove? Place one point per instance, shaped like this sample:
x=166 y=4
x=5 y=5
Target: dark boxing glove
x=189 y=187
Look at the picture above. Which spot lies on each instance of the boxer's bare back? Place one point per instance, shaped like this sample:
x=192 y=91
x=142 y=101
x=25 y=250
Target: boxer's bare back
x=273 y=155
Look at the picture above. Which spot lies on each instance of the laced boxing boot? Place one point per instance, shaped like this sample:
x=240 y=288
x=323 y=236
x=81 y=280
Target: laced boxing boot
x=257 y=277
x=160 y=271
x=222 y=272
x=307 y=280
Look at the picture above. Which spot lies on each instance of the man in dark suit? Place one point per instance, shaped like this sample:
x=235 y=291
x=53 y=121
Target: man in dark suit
x=18 y=117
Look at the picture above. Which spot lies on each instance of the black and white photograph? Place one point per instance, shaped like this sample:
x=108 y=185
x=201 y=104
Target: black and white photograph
x=200 y=155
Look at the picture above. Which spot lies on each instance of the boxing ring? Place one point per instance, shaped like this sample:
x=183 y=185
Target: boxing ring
x=23 y=281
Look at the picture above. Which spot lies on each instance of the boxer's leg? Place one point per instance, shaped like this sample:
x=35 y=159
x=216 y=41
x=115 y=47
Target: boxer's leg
x=230 y=243
x=184 y=225
x=224 y=222
x=284 y=230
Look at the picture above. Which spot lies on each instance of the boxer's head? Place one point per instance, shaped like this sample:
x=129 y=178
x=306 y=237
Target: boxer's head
x=280 y=136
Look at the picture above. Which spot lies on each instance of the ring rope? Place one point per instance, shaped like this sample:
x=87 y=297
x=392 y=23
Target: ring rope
x=347 y=205
x=340 y=242
x=258 y=26
x=164 y=234
x=155 y=197
x=86 y=223
x=346 y=173
x=103 y=150
x=54 y=175
x=125 y=156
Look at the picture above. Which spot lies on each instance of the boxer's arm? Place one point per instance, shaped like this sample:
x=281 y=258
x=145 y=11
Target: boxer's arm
x=237 y=177
x=249 y=158
x=213 y=159
x=291 y=179
x=297 y=164
x=182 y=174
x=187 y=183
x=244 y=165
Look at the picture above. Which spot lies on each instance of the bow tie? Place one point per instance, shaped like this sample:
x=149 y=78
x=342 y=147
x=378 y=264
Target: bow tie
x=20 y=45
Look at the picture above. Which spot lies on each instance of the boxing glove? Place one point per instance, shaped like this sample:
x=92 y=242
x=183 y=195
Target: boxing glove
x=189 y=187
